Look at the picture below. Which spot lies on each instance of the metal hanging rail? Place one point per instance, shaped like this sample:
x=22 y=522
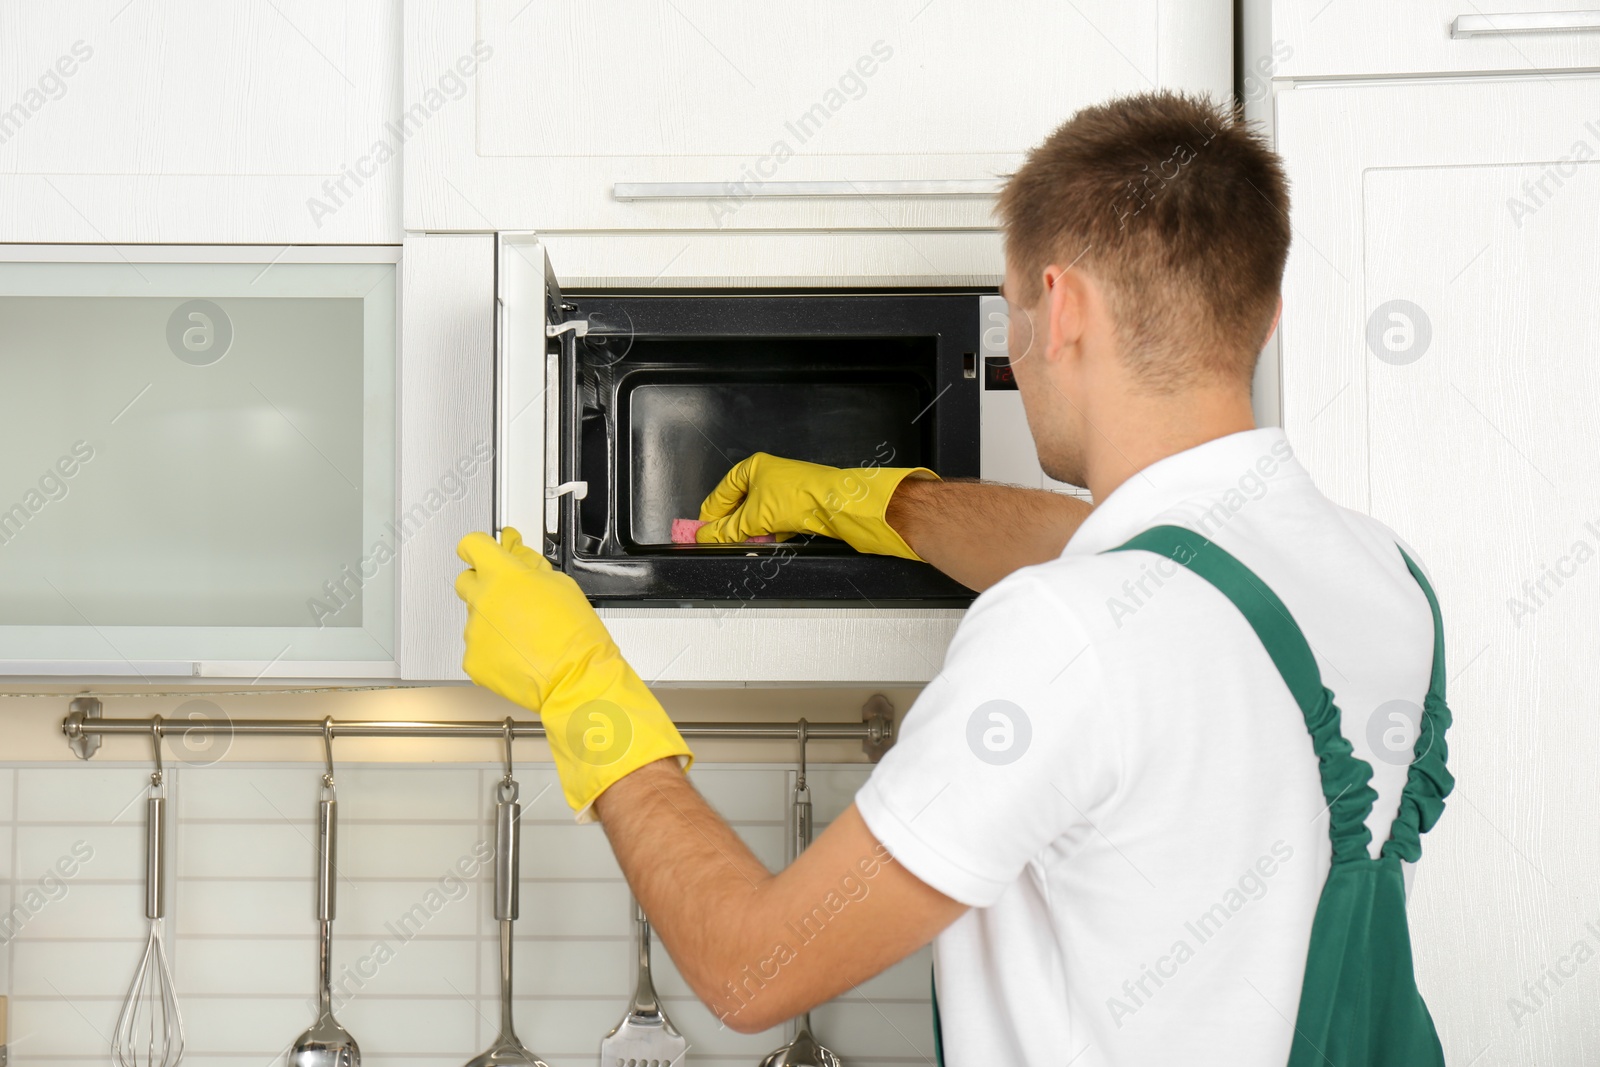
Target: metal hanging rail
x=84 y=726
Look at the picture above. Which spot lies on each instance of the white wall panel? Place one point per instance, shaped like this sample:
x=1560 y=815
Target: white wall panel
x=242 y=932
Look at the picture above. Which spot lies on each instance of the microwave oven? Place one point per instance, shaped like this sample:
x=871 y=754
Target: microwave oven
x=619 y=410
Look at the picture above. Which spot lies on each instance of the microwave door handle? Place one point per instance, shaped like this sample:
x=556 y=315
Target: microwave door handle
x=563 y=490
x=1524 y=22
x=949 y=189
x=552 y=443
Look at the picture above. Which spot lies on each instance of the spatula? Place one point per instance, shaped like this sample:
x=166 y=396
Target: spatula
x=645 y=1037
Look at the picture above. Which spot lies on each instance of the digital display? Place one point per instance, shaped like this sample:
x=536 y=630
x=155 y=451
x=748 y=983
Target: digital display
x=997 y=373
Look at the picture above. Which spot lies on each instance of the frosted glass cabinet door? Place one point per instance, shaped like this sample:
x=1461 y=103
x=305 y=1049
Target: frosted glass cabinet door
x=197 y=463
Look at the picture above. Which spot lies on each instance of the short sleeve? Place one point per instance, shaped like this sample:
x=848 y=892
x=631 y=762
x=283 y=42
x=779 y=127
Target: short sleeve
x=1009 y=749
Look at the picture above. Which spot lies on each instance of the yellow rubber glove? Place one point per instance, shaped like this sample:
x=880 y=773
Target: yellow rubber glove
x=533 y=638
x=771 y=495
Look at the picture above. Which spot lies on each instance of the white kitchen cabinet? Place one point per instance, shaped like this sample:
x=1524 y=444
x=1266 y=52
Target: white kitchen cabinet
x=1381 y=38
x=187 y=121
x=198 y=462
x=1437 y=342
x=705 y=104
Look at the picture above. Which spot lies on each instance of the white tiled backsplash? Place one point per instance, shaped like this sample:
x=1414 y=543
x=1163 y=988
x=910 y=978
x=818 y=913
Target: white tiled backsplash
x=415 y=947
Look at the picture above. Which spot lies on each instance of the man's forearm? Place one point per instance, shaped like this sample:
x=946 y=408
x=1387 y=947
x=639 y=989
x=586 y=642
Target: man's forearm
x=979 y=532
x=692 y=874
x=759 y=948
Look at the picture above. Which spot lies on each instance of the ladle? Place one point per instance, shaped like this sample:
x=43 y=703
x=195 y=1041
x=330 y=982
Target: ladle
x=326 y=1043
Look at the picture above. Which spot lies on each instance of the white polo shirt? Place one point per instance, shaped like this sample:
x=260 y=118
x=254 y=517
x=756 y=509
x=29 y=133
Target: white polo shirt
x=1112 y=773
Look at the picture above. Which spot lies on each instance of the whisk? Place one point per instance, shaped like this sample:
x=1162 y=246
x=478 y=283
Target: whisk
x=150 y=1028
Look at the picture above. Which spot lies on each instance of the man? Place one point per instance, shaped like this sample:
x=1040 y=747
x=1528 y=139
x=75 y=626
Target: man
x=1105 y=811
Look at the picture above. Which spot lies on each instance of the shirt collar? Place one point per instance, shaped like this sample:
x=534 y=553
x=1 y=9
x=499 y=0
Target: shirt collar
x=1213 y=467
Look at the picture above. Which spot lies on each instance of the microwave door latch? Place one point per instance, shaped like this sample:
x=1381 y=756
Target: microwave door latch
x=577 y=327
x=579 y=490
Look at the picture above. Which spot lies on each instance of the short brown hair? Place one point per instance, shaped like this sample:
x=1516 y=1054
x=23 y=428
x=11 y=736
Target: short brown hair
x=1180 y=210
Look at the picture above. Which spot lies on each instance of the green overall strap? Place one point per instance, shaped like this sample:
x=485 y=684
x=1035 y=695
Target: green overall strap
x=1429 y=781
x=1359 y=1005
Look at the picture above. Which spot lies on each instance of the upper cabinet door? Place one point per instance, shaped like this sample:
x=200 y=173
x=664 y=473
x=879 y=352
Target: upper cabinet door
x=1438 y=337
x=194 y=121
x=704 y=114
x=1419 y=213
x=1374 y=38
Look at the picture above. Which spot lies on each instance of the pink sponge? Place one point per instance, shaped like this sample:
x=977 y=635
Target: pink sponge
x=683 y=531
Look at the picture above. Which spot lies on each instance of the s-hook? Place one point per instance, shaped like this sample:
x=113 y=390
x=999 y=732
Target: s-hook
x=328 y=791
x=800 y=777
x=157 y=731
x=508 y=784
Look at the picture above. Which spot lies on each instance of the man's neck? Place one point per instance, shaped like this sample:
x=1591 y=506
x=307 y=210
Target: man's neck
x=1144 y=430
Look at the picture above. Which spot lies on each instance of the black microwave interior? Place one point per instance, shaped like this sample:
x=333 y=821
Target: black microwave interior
x=664 y=394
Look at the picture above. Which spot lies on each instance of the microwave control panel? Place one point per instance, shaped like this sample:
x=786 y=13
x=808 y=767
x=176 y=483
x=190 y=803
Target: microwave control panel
x=1006 y=445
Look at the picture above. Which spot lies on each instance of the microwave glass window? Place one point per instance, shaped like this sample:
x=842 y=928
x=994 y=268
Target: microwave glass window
x=694 y=409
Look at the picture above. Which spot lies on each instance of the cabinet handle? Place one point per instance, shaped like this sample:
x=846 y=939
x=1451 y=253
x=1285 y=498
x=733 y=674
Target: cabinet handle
x=982 y=187
x=1524 y=22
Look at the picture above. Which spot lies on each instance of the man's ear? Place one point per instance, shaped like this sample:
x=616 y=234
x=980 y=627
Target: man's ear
x=1067 y=298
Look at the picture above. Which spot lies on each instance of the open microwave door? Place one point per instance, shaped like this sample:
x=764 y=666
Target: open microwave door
x=527 y=390
x=536 y=358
